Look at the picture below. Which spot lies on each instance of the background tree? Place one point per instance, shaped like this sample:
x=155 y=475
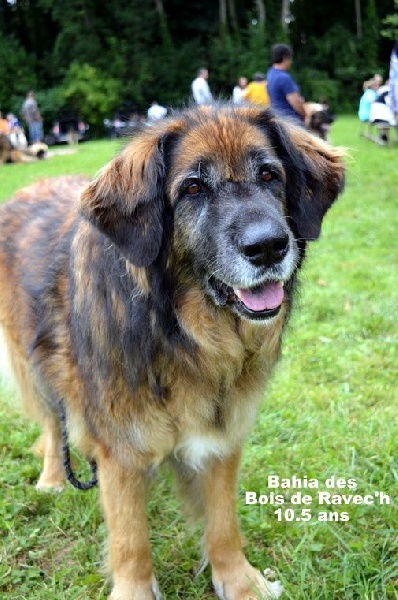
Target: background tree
x=390 y=23
x=88 y=92
x=370 y=43
x=17 y=73
x=358 y=19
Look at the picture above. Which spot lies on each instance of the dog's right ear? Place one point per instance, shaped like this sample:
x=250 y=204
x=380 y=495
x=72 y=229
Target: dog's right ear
x=314 y=172
x=127 y=201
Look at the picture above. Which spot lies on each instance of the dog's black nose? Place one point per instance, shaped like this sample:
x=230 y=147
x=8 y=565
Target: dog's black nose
x=264 y=245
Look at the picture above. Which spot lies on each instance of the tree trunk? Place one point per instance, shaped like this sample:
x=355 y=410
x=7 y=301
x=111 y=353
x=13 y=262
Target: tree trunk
x=223 y=13
x=285 y=14
x=358 y=18
x=261 y=12
x=159 y=7
x=223 y=18
x=232 y=16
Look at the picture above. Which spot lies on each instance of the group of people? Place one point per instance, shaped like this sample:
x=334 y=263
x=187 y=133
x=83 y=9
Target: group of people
x=11 y=127
x=276 y=89
x=379 y=102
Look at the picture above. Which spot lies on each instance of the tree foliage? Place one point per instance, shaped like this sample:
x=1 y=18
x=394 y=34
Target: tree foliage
x=87 y=91
x=371 y=35
x=391 y=24
x=17 y=74
x=94 y=56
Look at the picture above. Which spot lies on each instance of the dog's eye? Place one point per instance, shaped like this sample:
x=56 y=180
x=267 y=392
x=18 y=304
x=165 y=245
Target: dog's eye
x=193 y=188
x=267 y=175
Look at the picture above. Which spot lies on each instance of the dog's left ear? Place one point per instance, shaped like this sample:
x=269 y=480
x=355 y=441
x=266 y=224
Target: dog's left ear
x=314 y=173
x=127 y=201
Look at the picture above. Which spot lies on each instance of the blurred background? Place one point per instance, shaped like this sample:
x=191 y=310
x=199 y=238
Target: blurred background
x=99 y=60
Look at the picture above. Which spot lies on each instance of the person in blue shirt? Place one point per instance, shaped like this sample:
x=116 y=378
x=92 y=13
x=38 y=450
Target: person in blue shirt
x=369 y=96
x=283 y=91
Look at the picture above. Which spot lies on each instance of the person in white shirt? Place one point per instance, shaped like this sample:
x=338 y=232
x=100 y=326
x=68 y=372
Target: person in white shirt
x=156 y=112
x=200 y=88
x=238 y=91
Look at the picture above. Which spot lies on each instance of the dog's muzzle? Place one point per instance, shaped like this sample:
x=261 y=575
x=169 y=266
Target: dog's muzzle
x=262 y=249
x=263 y=245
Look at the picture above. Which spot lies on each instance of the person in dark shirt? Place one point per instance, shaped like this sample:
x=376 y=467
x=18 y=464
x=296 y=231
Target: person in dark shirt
x=283 y=91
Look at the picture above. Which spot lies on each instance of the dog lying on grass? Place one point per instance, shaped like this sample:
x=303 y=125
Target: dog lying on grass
x=10 y=154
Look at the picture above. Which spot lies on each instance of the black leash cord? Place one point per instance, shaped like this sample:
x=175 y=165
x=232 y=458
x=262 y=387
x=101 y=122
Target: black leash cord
x=79 y=485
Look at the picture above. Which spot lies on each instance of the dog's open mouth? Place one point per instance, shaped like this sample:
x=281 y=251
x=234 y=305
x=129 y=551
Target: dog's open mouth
x=259 y=302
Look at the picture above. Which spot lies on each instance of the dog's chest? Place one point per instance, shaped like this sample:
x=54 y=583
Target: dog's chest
x=214 y=414
x=211 y=396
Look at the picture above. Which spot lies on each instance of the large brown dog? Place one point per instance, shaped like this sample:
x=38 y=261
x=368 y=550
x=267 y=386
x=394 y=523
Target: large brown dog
x=152 y=311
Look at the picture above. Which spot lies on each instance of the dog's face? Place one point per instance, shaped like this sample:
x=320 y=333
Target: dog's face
x=320 y=118
x=229 y=197
x=228 y=193
x=320 y=122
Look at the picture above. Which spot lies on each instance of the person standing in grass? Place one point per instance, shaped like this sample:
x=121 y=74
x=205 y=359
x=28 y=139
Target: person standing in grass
x=283 y=91
x=29 y=112
x=200 y=88
x=393 y=95
x=31 y=115
x=256 y=92
x=238 y=91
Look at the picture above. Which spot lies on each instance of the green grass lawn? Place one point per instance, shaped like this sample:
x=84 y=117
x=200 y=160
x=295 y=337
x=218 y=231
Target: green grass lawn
x=331 y=409
x=88 y=158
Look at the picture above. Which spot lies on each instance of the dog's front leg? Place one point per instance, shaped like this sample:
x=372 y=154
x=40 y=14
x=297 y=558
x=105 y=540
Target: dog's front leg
x=123 y=497
x=233 y=576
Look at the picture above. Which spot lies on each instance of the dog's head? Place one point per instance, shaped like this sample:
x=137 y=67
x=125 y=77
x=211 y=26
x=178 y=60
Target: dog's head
x=229 y=193
x=319 y=119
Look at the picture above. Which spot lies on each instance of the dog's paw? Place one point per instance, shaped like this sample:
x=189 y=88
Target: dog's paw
x=275 y=586
x=44 y=485
x=247 y=583
x=155 y=590
x=136 y=592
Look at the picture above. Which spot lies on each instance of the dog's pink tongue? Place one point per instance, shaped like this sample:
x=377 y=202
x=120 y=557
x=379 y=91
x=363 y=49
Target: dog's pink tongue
x=266 y=297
